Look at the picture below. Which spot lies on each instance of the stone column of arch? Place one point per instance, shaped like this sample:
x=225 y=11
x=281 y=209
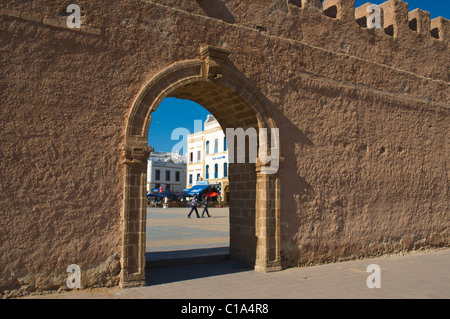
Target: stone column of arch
x=134 y=217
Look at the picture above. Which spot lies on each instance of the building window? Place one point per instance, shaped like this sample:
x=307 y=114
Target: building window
x=225 y=170
x=225 y=144
x=216 y=146
x=198 y=177
x=199 y=156
x=167 y=175
x=216 y=171
x=191 y=157
x=207 y=147
x=190 y=179
x=207 y=172
x=177 y=176
x=157 y=175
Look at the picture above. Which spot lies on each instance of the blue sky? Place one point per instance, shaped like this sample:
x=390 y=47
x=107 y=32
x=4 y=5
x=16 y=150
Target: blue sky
x=436 y=8
x=173 y=113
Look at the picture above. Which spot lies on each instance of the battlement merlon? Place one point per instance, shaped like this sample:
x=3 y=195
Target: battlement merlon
x=395 y=16
x=362 y=15
x=341 y=9
x=420 y=21
x=317 y=4
x=440 y=28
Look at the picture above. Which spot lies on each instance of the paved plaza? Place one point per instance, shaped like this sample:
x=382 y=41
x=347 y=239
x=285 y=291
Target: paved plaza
x=171 y=236
x=422 y=274
x=170 y=229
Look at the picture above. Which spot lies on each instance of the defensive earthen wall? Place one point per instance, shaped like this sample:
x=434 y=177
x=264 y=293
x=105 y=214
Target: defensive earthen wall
x=363 y=117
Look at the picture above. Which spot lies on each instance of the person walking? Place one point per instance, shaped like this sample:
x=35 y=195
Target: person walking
x=194 y=205
x=205 y=207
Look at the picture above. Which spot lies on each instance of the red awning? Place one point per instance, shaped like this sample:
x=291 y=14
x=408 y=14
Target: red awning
x=211 y=194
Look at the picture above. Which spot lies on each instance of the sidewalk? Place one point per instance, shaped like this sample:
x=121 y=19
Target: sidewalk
x=419 y=275
x=415 y=275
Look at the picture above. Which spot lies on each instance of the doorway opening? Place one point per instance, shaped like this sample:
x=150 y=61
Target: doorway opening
x=189 y=157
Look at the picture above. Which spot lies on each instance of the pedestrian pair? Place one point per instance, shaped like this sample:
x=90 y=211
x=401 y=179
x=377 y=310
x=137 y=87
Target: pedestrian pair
x=194 y=204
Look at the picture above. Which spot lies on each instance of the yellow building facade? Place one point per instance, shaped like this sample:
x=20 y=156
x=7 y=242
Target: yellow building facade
x=207 y=158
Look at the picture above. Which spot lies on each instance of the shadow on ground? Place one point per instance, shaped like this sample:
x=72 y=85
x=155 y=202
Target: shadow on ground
x=174 y=266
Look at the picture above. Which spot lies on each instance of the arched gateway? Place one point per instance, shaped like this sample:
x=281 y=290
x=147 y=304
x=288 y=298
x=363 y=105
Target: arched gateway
x=213 y=82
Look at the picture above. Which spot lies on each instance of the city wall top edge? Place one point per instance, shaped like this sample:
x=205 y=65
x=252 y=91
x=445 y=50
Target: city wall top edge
x=334 y=25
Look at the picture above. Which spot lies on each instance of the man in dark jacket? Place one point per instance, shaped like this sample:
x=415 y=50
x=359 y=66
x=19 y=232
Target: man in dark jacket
x=205 y=206
x=194 y=205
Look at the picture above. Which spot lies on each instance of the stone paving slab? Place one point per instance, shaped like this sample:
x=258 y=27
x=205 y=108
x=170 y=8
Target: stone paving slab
x=186 y=257
x=420 y=275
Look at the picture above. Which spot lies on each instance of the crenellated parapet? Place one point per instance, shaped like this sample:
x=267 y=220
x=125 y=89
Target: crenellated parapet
x=395 y=17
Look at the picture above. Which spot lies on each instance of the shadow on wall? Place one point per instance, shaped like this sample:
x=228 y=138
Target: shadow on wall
x=216 y=9
x=291 y=189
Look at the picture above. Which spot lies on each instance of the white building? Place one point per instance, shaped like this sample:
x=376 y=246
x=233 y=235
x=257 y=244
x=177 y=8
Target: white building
x=208 y=157
x=166 y=171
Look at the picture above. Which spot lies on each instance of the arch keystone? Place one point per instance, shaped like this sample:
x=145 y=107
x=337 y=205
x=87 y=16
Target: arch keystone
x=214 y=58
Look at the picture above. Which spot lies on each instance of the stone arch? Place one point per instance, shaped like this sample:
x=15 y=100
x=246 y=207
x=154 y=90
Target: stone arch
x=214 y=83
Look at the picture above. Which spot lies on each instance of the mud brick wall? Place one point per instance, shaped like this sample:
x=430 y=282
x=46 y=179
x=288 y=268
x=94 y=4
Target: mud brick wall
x=363 y=116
